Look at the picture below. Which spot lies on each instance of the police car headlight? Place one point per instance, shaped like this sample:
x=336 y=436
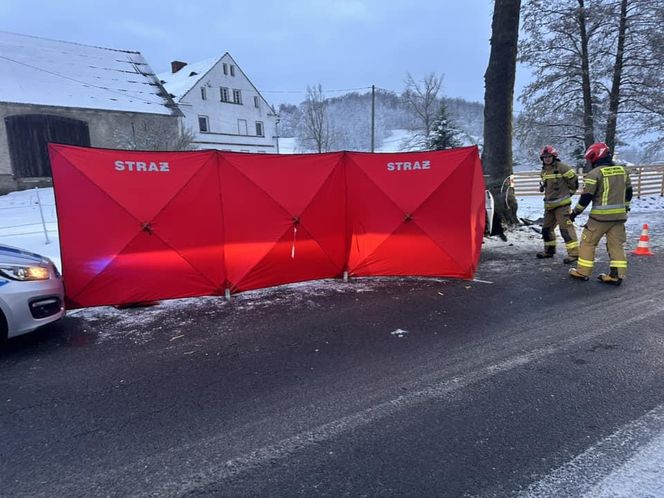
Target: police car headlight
x=19 y=272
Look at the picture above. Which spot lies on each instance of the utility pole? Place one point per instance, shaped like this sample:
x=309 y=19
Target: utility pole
x=276 y=127
x=373 y=115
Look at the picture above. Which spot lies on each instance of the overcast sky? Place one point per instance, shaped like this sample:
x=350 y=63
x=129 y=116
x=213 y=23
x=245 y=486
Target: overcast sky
x=283 y=46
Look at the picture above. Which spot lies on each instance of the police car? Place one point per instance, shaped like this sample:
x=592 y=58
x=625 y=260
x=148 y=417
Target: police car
x=31 y=292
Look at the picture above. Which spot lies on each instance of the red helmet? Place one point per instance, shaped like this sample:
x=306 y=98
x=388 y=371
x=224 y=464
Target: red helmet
x=596 y=152
x=548 y=149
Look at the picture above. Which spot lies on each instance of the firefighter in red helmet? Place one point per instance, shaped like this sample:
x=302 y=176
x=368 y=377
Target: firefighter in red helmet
x=559 y=183
x=609 y=189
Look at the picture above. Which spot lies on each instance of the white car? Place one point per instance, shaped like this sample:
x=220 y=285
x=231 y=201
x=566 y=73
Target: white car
x=31 y=292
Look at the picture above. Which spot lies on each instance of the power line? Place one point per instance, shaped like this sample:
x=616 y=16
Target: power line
x=302 y=92
x=124 y=94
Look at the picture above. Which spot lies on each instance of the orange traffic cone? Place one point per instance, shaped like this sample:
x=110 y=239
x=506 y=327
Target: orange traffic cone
x=643 y=247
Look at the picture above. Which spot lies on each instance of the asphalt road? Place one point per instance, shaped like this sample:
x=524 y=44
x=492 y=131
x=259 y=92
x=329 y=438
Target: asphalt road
x=386 y=387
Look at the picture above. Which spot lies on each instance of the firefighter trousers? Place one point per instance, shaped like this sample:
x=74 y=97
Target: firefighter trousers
x=615 y=246
x=559 y=216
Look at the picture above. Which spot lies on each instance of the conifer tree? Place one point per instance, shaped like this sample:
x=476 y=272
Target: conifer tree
x=443 y=134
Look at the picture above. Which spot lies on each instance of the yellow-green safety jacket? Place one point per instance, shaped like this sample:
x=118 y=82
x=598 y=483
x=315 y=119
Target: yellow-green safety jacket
x=560 y=183
x=610 y=190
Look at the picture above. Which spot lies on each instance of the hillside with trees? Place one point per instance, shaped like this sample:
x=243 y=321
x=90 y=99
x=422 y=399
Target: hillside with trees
x=344 y=122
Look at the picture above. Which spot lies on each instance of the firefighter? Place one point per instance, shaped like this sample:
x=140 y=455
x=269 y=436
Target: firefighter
x=609 y=188
x=558 y=182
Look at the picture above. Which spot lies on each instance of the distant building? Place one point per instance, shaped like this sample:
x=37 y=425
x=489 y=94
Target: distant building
x=221 y=106
x=74 y=94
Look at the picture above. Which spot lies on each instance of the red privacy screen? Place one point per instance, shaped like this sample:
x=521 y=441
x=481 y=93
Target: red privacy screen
x=140 y=226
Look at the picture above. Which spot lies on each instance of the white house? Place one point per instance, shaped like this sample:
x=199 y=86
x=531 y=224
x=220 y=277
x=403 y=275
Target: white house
x=221 y=106
x=57 y=91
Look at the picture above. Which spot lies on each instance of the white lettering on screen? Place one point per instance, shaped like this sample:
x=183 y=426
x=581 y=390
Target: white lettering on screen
x=142 y=166
x=408 y=165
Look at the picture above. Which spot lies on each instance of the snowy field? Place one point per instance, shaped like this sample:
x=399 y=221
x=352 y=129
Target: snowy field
x=646 y=210
x=391 y=143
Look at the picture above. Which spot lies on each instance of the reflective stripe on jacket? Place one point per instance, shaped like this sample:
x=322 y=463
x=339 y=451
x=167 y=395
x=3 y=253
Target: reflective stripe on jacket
x=608 y=185
x=560 y=183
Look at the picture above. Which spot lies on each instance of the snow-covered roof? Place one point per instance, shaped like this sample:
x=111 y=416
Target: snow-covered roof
x=57 y=73
x=179 y=83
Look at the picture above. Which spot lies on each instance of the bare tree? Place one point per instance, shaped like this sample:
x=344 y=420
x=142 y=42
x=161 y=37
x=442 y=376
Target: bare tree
x=561 y=38
x=598 y=70
x=586 y=90
x=154 y=135
x=614 y=93
x=498 y=101
x=316 y=132
x=421 y=99
x=651 y=78
x=635 y=95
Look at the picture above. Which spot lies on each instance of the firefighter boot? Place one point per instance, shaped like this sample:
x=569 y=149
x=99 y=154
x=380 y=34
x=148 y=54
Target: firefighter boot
x=570 y=259
x=612 y=278
x=548 y=252
x=576 y=274
x=549 y=244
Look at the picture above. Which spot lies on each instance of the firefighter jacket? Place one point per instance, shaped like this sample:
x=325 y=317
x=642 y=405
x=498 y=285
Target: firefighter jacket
x=560 y=183
x=610 y=190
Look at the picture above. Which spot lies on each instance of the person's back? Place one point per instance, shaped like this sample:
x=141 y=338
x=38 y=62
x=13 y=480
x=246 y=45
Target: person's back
x=609 y=189
x=610 y=182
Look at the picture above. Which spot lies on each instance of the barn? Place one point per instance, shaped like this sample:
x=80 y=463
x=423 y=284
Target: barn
x=68 y=93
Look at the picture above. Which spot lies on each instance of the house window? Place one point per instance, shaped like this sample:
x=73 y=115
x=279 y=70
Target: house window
x=256 y=101
x=259 y=129
x=225 y=66
x=203 y=123
x=223 y=93
x=203 y=93
x=232 y=70
x=237 y=96
x=242 y=127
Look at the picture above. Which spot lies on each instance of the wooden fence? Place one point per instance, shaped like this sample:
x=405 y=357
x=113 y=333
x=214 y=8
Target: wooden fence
x=646 y=180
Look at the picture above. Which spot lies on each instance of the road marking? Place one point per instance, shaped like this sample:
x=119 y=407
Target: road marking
x=299 y=442
x=629 y=462
x=197 y=464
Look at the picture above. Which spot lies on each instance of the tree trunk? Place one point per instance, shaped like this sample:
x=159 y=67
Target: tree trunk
x=498 y=101
x=614 y=96
x=588 y=119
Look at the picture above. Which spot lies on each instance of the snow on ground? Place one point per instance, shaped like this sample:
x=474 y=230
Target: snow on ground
x=527 y=238
x=174 y=315
x=21 y=225
x=627 y=464
x=639 y=475
x=391 y=143
x=287 y=145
